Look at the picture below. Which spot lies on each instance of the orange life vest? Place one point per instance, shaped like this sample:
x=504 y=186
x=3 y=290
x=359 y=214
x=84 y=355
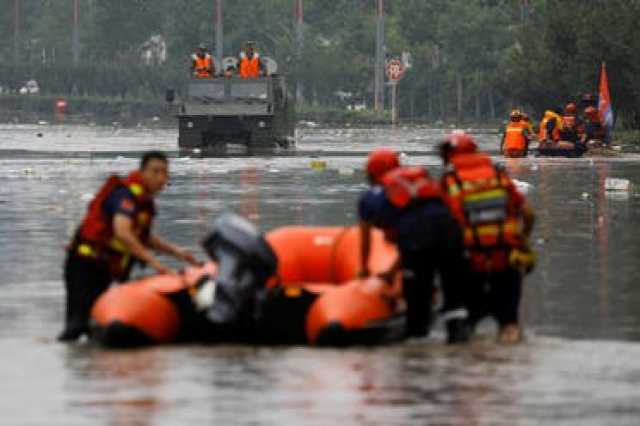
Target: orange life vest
x=485 y=203
x=250 y=68
x=203 y=66
x=514 y=137
x=555 y=134
x=95 y=237
x=406 y=185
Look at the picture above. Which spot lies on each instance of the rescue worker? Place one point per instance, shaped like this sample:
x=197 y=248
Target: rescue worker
x=114 y=234
x=408 y=205
x=249 y=63
x=550 y=126
x=588 y=100
x=595 y=133
x=572 y=128
x=496 y=223
x=515 y=139
x=202 y=64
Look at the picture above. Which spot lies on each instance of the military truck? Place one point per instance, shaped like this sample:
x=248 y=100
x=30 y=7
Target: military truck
x=216 y=112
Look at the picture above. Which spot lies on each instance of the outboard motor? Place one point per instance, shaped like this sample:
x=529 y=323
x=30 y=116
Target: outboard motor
x=245 y=261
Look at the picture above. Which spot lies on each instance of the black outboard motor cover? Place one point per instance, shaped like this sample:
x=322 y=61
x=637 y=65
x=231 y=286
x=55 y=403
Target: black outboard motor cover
x=245 y=261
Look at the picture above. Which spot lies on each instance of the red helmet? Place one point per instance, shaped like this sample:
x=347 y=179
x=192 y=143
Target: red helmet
x=571 y=108
x=590 y=112
x=381 y=161
x=457 y=143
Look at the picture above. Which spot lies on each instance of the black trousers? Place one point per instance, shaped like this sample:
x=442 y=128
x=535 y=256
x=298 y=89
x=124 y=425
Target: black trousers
x=441 y=253
x=496 y=294
x=85 y=280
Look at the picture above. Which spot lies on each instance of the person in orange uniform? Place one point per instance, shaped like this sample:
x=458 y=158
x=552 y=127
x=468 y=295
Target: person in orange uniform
x=595 y=133
x=249 y=63
x=114 y=234
x=496 y=223
x=515 y=140
x=407 y=204
x=550 y=126
x=572 y=127
x=202 y=64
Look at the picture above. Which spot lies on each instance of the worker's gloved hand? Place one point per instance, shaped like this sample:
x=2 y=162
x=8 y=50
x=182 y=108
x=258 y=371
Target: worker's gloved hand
x=523 y=258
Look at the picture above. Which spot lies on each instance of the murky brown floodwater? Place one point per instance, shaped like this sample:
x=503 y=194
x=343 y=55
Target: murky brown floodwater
x=579 y=366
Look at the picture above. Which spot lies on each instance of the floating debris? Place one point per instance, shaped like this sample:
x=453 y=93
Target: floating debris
x=617 y=184
x=318 y=164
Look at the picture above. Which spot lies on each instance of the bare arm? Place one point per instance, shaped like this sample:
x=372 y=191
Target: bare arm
x=390 y=274
x=123 y=229
x=160 y=244
x=365 y=248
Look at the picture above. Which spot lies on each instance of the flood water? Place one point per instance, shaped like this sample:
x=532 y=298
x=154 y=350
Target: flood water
x=580 y=364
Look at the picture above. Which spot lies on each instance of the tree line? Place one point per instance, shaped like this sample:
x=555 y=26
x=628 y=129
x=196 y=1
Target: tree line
x=471 y=59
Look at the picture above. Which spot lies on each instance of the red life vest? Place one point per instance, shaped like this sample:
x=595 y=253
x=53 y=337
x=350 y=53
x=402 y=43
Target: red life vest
x=250 y=68
x=95 y=237
x=406 y=185
x=485 y=203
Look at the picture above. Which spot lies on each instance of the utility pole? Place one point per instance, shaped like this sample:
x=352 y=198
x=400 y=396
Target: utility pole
x=16 y=32
x=219 y=35
x=299 y=16
x=379 y=70
x=75 y=43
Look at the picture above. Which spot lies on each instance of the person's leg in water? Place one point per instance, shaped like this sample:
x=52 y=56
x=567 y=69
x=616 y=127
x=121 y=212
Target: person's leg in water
x=417 y=284
x=85 y=280
x=452 y=267
x=505 y=295
x=476 y=297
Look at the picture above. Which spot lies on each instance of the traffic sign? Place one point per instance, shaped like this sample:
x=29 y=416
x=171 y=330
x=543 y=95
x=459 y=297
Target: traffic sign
x=394 y=68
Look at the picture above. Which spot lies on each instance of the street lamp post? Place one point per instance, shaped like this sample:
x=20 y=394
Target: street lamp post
x=379 y=67
x=219 y=33
x=16 y=32
x=299 y=16
x=75 y=43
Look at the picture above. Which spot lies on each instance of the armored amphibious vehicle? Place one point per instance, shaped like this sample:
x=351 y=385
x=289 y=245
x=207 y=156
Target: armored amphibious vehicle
x=257 y=113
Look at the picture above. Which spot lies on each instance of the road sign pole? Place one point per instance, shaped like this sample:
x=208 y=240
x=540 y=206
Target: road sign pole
x=395 y=113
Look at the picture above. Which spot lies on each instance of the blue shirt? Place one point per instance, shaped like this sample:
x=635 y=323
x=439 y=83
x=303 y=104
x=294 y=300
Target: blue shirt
x=120 y=201
x=416 y=227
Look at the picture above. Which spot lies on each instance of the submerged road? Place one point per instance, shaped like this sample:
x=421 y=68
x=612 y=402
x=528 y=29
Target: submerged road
x=580 y=364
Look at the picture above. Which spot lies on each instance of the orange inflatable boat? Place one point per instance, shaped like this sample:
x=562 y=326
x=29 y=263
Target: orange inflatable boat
x=298 y=285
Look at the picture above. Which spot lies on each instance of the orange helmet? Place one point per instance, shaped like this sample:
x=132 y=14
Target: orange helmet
x=457 y=143
x=571 y=108
x=381 y=161
x=515 y=115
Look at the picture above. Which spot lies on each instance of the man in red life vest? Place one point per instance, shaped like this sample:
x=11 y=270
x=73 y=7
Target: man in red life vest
x=407 y=204
x=496 y=223
x=114 y=234
x=202 y=64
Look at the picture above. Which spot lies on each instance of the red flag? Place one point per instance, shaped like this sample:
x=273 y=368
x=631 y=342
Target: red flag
x=604 y=105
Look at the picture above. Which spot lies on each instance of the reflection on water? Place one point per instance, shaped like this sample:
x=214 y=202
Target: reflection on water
x=583 y=288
